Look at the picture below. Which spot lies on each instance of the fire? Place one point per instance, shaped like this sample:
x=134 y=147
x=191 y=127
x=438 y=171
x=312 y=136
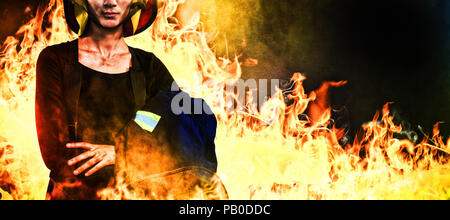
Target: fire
x=287 y=158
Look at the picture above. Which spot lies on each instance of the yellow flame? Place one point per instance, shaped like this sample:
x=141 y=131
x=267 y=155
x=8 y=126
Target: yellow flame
x=287 y=159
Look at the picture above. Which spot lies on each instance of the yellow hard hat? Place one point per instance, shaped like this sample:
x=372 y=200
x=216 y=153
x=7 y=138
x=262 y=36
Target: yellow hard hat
x=142 y=15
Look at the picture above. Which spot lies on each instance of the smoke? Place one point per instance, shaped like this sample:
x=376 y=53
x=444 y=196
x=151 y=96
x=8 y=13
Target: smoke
x=14 y=14
x=230 y=23
x=283 y=36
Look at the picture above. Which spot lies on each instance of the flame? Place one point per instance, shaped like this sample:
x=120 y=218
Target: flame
x=288 y=158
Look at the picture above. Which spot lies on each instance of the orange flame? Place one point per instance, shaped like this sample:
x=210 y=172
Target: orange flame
x=288 y=158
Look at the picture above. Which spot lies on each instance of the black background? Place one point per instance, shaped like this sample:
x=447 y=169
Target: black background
x=389 y=51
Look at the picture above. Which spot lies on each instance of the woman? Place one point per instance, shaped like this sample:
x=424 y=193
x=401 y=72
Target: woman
x=88 y=94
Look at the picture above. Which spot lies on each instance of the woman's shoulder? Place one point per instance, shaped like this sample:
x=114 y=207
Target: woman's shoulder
x=53 y=57
x=143 y=55
x=59 y=50
x=148 y=60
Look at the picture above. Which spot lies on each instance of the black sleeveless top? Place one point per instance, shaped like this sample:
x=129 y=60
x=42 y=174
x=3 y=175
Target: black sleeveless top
x=106 y=105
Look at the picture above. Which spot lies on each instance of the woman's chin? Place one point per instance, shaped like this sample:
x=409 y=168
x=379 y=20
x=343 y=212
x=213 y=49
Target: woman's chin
x=110 y=24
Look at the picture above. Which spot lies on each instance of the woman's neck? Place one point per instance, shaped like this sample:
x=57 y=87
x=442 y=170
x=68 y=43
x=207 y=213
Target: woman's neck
x=105 y=42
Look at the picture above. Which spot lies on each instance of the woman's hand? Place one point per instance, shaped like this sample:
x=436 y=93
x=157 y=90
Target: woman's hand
x=101 y=156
